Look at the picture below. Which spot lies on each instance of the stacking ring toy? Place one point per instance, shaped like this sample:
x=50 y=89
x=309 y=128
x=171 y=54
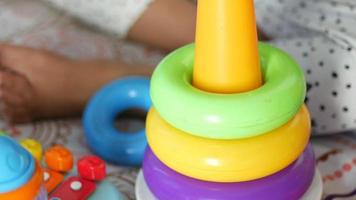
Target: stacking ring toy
x=99 y=117
x=228 y=160
x=228 y=116
x=290 y=183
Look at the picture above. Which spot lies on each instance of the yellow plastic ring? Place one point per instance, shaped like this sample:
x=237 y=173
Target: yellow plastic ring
x=228 y=160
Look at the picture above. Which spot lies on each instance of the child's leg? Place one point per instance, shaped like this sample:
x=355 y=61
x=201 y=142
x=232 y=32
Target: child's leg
x=330 y=72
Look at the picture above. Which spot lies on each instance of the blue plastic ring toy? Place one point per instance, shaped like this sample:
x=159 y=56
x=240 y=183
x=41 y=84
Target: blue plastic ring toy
x=99 y=117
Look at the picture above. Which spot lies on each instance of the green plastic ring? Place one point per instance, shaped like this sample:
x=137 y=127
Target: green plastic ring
x=228 y=116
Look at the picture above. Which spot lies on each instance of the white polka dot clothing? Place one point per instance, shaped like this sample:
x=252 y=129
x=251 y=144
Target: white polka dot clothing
x=113 y=16
x=321 y=36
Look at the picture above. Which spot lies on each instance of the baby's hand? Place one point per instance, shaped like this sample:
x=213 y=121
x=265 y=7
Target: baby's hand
x=15 y=96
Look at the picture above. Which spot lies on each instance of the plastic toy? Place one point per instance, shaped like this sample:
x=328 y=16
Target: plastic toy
x=87 y=185
x=221 y=160
x=34 y=147
x=228 y=120
x=292 y=182
x=22 y=178
x=104 y=190
x=226 y=47
x=107 y=191
x=74 y=188
x=228 y=116
x=103 y=138
x=21 y=175
x=52 y=179
x=59 y=158
x=314 y=192
x=92 y=168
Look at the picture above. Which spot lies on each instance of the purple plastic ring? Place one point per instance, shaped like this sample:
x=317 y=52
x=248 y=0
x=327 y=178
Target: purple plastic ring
x=289 y=184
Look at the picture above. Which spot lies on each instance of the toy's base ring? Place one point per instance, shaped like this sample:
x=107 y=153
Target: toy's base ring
x=314 y=192
x=141 y=188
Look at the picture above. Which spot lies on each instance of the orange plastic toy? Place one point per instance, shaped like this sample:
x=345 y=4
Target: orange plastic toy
x=59 y=158
x=226 y=55
x=52 y=179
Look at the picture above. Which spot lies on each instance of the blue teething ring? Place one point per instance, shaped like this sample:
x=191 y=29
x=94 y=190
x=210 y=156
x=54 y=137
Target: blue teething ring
x=99 y=118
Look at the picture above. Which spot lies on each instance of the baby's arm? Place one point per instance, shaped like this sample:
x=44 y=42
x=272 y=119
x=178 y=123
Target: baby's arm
x=166 y=24
x=112 y=16
x=169 y=24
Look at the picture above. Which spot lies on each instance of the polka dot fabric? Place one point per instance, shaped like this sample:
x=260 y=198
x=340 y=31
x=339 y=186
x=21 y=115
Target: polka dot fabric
x=321 y=36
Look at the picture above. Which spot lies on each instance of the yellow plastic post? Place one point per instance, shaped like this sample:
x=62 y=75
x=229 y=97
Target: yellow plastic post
x=226 y=55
